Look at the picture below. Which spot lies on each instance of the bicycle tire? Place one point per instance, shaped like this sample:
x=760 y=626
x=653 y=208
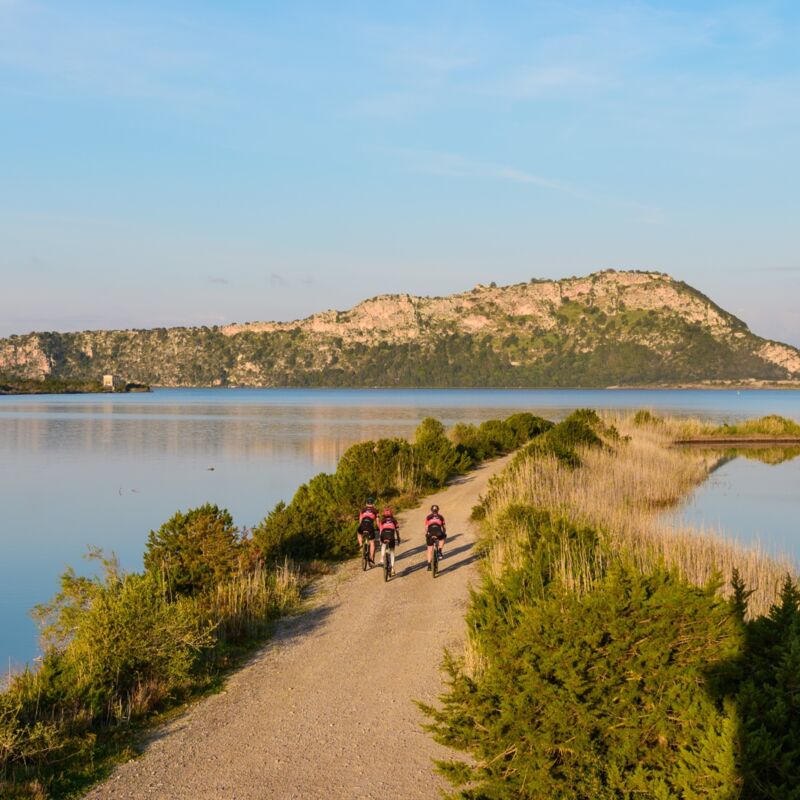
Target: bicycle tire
x=435 y=561
x=365 y=557
x=387 y=568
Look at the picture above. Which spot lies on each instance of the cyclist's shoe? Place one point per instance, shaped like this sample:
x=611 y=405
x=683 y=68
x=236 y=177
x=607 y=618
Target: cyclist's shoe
x=441 y=555
x=392 y=572
x=429 y=566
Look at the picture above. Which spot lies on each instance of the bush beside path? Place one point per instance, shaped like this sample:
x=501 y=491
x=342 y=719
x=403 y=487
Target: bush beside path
x=326 y=709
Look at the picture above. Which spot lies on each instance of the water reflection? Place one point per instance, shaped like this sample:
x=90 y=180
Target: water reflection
x=752 y=495
x=767 y=455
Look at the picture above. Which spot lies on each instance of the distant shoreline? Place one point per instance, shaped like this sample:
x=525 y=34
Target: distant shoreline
x=33 y=389
x=9 y=390
x=740 y=440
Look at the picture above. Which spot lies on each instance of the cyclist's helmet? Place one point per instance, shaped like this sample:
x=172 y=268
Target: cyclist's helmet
x=434 y=509
x=370 y=501
x=387 y=512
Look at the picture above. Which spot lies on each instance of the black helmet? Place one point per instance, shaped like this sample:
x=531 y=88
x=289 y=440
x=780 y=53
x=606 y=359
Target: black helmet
x=435 y=509
x=370 y=501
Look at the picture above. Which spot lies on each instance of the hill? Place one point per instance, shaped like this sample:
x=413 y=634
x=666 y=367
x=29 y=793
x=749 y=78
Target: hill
x=609 y=328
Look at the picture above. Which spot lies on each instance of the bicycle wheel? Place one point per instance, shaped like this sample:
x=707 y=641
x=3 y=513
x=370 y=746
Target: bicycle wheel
x=435 y=561
x=366 y=556
x=387 y=569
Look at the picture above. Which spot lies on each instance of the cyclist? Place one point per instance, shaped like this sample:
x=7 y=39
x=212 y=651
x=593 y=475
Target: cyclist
x=435 y=533
x=390 y=535
x=367 y=522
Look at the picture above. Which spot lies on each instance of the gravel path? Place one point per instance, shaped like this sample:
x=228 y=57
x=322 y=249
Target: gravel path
x=325 y=709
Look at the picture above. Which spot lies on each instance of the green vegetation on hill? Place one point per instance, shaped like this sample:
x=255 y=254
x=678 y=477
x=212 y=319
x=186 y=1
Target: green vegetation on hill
x=606 y=329
x=597 y=668
x=121 y=646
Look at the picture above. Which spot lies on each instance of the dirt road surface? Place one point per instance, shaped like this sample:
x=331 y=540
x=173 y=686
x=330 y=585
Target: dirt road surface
x=326 y=709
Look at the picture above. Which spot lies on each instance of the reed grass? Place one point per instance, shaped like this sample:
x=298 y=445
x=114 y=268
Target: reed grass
x=688 y=428
x=243 y=607
x=623 y=490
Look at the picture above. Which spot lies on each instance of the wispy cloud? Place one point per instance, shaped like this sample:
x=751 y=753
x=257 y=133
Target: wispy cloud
x=451 y=165
x=218 y=281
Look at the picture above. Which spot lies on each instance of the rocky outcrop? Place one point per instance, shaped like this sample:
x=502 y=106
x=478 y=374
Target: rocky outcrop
x=621 y=328
x=24 y=357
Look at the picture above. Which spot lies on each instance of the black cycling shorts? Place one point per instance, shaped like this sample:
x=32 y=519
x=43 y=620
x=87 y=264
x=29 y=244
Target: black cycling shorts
x=433 y=534
x=367 y=530
x=388 y=539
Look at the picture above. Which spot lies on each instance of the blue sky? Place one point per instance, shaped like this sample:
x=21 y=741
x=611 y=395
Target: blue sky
x=197 y=163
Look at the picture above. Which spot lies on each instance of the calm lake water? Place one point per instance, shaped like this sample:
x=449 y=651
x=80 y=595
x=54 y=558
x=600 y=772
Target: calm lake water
x=104 y=470
x=753 y=497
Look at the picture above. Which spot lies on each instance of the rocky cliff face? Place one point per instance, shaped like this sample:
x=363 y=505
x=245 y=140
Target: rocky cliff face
x=620 y=328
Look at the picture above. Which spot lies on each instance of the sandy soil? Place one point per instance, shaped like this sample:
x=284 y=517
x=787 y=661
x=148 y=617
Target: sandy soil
x=326 y=709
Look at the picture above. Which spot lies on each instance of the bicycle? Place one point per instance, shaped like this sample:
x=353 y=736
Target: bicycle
x=435 y=561
x=365 y=551
x=387 y=552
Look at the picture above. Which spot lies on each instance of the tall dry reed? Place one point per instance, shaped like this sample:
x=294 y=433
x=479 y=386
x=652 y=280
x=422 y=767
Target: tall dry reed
x=243 y=606
x=623 y=490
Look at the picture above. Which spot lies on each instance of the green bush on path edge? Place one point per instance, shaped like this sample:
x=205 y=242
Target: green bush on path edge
x=122 y=648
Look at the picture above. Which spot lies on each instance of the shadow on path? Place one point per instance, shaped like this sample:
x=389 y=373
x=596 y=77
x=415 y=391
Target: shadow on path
x=423 y=547
x=446 y=566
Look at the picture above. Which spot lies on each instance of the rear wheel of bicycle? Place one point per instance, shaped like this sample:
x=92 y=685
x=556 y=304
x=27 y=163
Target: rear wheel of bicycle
x=366 y=557
x=435 y=561
x=387 y=569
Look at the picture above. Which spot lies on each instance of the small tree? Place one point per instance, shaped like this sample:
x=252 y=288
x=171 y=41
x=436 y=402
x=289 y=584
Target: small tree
x=195 y=551
x=435 y=454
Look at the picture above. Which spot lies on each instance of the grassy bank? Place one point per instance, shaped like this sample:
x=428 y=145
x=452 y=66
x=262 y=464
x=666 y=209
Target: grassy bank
x=122 y=647
x=771 y=428
x=611 y=656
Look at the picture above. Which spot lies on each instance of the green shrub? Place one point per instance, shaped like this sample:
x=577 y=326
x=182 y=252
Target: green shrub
x=526 y=426
x=499 y=437
x=595 y=695
x=765 y=682
x=645 y=417
x=468 y=440
x=115 y=645
x=195 y=551
x=379 y=468
x=579 y=429
x=495 y=437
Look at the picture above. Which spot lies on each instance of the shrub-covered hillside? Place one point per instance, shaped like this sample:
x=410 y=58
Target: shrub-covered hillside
x=610 y=328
